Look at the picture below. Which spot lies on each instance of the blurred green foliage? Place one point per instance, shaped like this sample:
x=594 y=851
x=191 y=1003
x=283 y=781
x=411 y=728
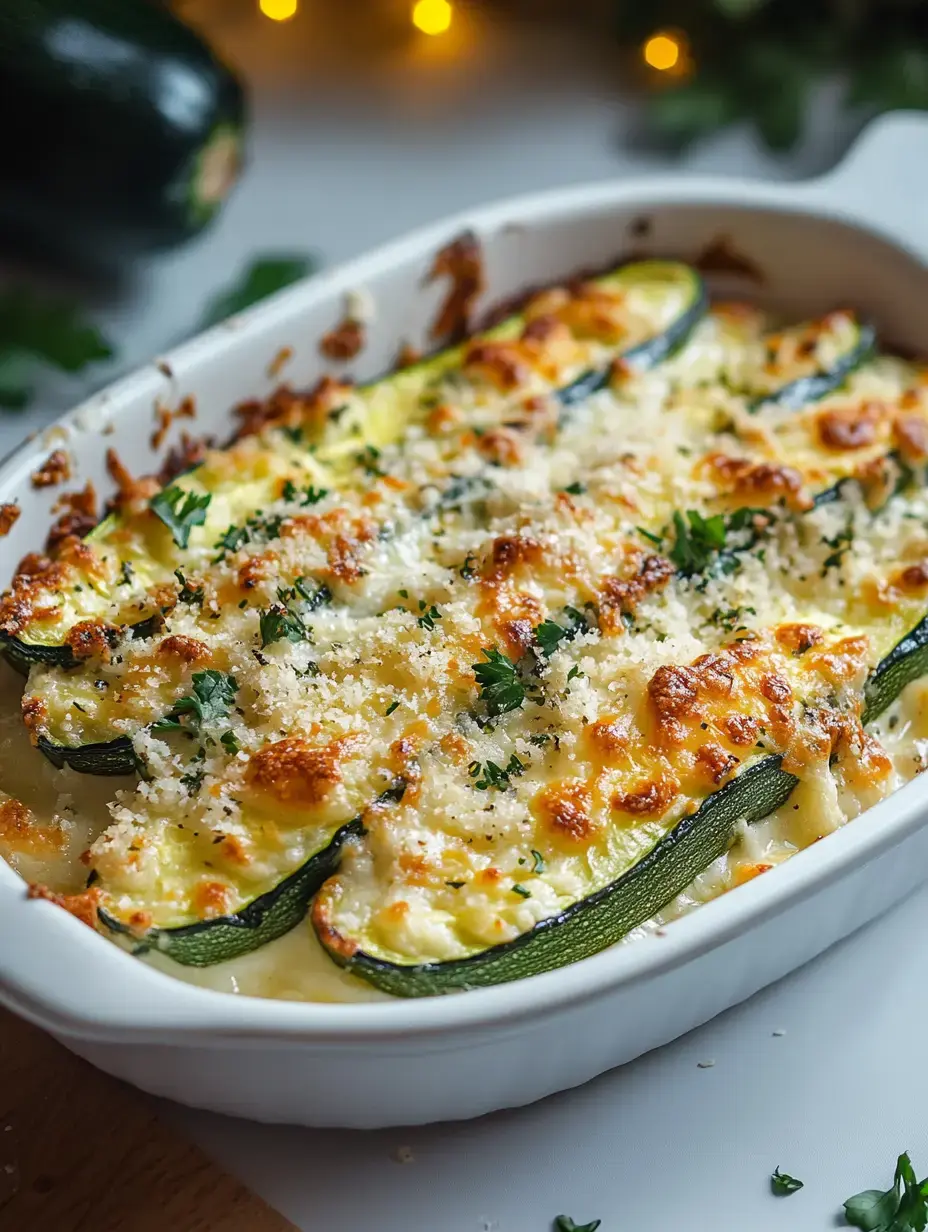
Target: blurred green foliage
x=759 y=59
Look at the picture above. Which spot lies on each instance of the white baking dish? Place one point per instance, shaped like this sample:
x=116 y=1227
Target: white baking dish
x=858 y=236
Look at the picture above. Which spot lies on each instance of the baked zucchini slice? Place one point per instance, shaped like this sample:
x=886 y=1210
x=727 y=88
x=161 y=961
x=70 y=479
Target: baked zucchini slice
x=198 y=921
x=415 y=936
x=642 y=311
x=806 y=362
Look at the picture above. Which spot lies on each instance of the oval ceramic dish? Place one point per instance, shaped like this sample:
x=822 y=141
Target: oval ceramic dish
x=855 y=237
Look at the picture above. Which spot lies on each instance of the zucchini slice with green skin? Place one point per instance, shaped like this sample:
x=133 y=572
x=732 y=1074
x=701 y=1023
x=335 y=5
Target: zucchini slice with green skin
x=659 y=298
x=105 y=757
x=595 y=922
x=591 y=924
x=823 y=354
x=265 y=917
x=905 y=663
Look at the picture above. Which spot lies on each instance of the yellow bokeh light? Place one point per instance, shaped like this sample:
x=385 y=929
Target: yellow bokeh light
x=662 y=52
x=278 y=10
x=432 y=16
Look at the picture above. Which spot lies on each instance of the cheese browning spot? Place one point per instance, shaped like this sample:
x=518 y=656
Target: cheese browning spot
x=565 y=809
x=297 y=772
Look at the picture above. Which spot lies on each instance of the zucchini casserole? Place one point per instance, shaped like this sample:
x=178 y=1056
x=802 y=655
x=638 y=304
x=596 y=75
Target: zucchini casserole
x=468 y=673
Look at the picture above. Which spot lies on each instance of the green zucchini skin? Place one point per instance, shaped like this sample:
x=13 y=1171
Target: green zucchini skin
x=603 y=918
x=110 y=757
x=129 y=129
x=264 y=919
x=646 y=354
x=799 y=393
x=906 y=662
x=21 y=655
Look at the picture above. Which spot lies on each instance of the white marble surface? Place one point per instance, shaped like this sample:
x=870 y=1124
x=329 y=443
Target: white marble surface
x=662 y=1144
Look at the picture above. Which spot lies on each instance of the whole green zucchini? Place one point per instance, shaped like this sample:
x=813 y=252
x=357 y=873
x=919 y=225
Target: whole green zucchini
x=125 y=131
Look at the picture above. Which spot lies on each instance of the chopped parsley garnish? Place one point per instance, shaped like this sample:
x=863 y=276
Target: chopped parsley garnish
x=521 y=891
x=782 y=1183
x=389 y=710
x=126 y=574
x=657 y=540
x=231 y=540
x=564 y=1223
x=576 y=488
x=430 y=616
x=548 y=634
x=498 y=681
x=698 y=541
x=574 y=673
x=309 y=495
x=312 y=496
x=538 y=861
x=455 y=885
x=731 y=618
x=469 y=568
x=230 y=742
x=539 y=738
x=489 y=774
x=369 y=459
x=279 y=624
x=187 y=594
x=193 y=781
x=840 y=543
x=903 y=1208
x=211 y=699
x=180 y=511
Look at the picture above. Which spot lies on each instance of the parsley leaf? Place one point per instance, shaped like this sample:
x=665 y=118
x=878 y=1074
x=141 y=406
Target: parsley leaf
x=279 y=623
x=498 y=682
x=903 y=1208
x=35 y=330
x=657 y=540
x=429 y=616
x=231 y=540
x=491 y=775
x=193 y=781
x=782 y=1183
x=564 y=1223
x=262 y=278
x=696 y=540
x=521 y=890
x=187 y=594
x=548 y=634
x=180 y=511
x=394 y=705
x=213 y=695
x=538 y=861
x=230 y=742
x=576 y=488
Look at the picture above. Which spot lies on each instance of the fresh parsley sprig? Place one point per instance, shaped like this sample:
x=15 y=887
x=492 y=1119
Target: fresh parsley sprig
x=280 y=623
x=564 y=1223
x=902 y=1208
x=501 y=688
x=212 y=697
x=180 y=511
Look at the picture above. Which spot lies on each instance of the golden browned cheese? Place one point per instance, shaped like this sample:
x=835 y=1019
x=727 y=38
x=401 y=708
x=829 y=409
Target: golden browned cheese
x=297 y=772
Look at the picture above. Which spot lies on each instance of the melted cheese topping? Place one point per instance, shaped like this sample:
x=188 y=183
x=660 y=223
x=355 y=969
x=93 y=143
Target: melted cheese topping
x=485 y=640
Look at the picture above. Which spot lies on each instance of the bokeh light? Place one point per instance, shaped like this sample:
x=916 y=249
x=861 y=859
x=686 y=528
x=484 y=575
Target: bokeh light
x=278 y=10
x=432 y=16
x=661 y=51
